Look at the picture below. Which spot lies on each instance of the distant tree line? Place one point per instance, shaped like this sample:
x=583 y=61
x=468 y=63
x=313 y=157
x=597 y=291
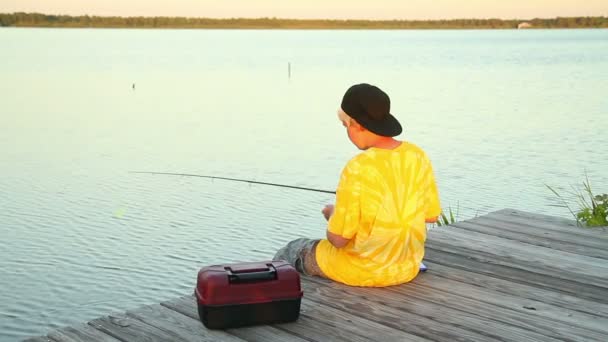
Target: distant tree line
x=21 y=19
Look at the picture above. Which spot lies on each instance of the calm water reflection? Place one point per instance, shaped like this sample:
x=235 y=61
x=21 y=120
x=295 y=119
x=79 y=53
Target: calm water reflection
x=501 y=113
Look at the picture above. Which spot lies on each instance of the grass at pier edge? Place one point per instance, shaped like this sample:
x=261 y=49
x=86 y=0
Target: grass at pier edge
x=592 y=209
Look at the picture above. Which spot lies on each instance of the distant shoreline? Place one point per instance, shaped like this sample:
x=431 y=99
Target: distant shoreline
x=21 y=19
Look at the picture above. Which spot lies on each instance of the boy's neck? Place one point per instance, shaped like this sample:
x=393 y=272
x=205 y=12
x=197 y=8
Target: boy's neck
x=387 y=143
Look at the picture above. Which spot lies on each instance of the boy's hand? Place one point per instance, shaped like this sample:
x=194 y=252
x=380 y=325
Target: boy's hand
x=431 y=220
x=328 y=211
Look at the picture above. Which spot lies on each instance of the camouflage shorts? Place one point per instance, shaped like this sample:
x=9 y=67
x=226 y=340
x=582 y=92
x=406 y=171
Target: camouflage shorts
x=300 y=253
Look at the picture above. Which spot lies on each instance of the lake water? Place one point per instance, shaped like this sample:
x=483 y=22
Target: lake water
x=500 y=113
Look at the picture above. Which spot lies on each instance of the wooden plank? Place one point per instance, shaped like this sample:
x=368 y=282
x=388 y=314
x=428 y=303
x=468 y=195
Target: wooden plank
x=486 y=264
x=416 y=316
x=317 y=322
x=310 y=325
x=506 y=309
x=179 y=325
x=545 y=222
x=318 y=331
x=265 y=333
x=132 y=330
x=541 y=260
x=80 y=333
x=532 y=222
x=505 y=322
x=531 y=216
x=566 y=280
x=187 y=306
x=523 y=307
x=514 y=250
x=549 y=239
x=519 y=290
x=353 y=324
x=529 y=227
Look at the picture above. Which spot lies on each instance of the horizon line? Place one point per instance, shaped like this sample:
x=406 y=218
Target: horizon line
x=304 y=19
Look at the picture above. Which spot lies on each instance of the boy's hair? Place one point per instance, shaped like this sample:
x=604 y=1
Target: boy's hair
x=344 y=117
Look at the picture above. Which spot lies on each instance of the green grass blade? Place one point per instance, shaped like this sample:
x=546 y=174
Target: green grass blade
x=564 y=202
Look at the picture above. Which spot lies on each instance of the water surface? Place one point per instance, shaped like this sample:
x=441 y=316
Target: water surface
x=500 y=113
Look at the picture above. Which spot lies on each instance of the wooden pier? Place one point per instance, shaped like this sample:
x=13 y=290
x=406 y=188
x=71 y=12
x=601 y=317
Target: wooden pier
x=504 y=276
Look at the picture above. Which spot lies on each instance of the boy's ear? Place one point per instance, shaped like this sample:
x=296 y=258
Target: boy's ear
x=360 y=127
x=355 y=125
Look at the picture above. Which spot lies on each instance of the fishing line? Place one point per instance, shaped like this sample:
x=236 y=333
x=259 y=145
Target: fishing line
x=235 y=180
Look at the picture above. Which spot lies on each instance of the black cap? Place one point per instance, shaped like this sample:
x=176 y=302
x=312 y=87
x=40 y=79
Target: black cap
x=370 y=107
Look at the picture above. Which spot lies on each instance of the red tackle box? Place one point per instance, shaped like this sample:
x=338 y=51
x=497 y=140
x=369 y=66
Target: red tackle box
x=242 y=294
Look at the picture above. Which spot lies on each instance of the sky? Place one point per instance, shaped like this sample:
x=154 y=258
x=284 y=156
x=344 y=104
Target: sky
x=315 y=9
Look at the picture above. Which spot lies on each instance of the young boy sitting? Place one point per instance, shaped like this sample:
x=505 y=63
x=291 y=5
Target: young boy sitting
x=376 y=230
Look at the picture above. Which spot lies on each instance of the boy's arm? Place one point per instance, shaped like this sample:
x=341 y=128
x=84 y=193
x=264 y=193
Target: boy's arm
x=343 y=218
x=431 y=220
x=337 y=240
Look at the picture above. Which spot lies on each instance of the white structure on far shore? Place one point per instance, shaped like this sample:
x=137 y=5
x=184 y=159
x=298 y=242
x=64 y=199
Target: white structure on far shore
x=524 y=25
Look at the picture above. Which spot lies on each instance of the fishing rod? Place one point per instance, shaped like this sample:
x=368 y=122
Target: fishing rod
x=235 y=180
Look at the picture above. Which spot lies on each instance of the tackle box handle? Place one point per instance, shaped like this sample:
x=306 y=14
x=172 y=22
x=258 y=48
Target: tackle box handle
x=243 y=276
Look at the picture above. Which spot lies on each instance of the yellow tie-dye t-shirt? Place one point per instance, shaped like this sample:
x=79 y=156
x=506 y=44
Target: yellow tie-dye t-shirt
x=382 y=201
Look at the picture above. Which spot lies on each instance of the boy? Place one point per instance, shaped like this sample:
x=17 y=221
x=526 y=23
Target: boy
x=376 y=230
